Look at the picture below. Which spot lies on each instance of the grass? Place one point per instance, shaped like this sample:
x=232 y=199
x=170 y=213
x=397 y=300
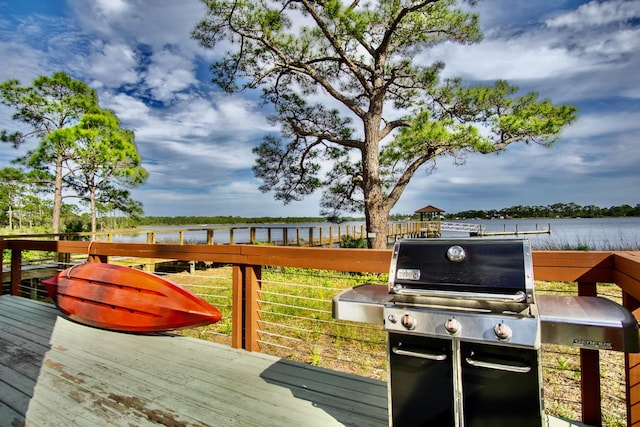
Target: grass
x=296 y=324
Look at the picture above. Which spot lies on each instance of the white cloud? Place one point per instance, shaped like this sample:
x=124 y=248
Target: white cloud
x=510 y=59
x=603 y=123
x=128 y=108
x=168 y=74
x=110 y=7
x=597 y=13
x=156 y=24
x=110 y=65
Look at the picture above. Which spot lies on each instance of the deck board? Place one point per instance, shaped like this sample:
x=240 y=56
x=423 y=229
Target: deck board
x=57 y=372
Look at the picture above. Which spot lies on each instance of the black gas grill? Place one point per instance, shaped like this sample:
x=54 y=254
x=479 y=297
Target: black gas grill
x=464 y=331
x=474 y=302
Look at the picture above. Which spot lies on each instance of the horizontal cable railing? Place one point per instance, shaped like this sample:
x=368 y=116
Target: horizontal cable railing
x=296 y=322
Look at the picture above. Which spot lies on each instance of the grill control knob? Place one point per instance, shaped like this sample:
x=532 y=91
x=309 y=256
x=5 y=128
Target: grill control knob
x=408 y=321
x=503 y=332
x=452 y=326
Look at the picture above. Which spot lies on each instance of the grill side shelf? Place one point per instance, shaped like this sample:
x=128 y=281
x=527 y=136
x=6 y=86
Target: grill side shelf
x=364 y=303
x=587 y=322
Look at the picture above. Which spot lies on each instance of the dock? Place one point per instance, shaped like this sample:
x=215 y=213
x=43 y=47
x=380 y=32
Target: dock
x=515 y=232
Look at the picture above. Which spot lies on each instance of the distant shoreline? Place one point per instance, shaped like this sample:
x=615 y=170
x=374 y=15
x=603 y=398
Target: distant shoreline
x=233 y=220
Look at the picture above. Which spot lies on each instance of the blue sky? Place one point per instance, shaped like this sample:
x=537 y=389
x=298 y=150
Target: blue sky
x=196 y=141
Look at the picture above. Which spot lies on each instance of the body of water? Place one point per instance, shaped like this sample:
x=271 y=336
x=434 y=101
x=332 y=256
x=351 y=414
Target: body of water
x=570 y=233
x=566 y=233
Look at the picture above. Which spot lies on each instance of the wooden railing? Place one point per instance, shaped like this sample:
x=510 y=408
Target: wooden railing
x=280 y=235
x=584 y=268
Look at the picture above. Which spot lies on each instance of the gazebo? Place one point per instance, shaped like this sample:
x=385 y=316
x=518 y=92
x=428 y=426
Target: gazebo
x=431 y=211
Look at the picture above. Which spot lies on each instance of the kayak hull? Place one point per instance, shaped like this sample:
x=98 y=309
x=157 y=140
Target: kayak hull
x=124 y=299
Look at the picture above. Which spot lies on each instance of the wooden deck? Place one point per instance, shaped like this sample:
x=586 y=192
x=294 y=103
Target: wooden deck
x=54 y=372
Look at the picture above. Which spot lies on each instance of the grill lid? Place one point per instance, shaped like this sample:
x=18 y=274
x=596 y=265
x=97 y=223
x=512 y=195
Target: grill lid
x=473 y=269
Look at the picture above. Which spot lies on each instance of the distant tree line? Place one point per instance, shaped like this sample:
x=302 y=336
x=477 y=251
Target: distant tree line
x=195 y=220
x=557 y=210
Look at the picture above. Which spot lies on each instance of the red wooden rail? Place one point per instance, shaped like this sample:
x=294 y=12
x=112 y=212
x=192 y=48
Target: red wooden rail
x=584 y=268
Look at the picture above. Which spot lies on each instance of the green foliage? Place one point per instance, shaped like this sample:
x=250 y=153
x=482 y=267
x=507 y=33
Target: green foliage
x=78 y=224
x=352 y=242
x=104 y=161
x=21 y=194
x=359 y=54
x=81 y=147
x=48 y=107
x=51 y=103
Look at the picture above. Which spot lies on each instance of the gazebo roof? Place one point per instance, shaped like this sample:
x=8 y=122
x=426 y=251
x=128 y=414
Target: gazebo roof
x=429 y=209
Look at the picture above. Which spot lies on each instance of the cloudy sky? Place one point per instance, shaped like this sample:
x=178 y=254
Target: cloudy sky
x=196 y=141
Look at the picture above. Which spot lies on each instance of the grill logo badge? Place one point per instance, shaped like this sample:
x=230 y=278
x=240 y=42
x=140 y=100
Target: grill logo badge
x=408 y=274
x=456 y=253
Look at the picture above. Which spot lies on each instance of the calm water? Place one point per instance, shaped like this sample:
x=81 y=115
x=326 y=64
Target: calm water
x=591 y=233
x=570 y=233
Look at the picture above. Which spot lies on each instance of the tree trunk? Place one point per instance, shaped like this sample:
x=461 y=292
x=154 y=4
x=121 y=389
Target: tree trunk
x=10 y=212
x=92 y=196
x=376 y=216
x=57 y=197
x=376 y=220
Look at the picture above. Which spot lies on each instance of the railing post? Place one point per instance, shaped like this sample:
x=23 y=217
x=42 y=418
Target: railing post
x=590 y=372
x=632 y=369
x=16 y=271
x=97 y=258
x=237 y=327
x=63 y=259
x=246 y=307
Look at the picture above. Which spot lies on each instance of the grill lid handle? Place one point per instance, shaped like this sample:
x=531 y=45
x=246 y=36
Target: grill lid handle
x=478 y=296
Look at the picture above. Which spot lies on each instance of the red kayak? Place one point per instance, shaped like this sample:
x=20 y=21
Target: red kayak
x=124 y=299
